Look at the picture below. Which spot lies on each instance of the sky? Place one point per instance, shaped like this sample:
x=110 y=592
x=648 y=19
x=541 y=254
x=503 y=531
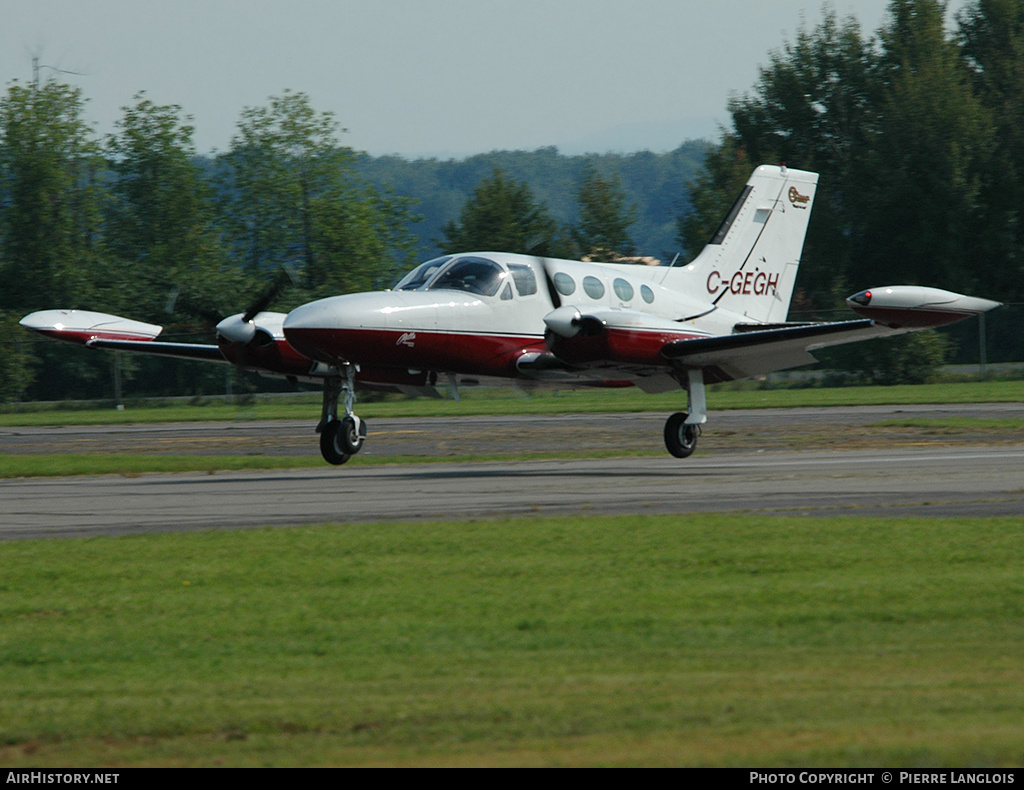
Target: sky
x=420 y=78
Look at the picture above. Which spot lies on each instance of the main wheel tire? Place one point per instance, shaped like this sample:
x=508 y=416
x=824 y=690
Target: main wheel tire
x=351 y=433
x=331 y=446
x=680 y=438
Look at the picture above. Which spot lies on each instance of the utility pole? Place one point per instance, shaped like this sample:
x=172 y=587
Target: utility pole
x=37 y=67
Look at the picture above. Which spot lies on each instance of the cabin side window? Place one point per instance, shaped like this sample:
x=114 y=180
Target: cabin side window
x=593 y=287
x=564 y=284
x=524 y=278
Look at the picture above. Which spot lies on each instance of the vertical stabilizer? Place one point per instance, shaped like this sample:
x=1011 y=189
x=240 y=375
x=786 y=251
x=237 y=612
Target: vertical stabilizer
x=749 y=266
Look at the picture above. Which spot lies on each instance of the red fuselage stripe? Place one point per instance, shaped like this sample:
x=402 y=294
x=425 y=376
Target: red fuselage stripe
x=481 y=354
x=475 y=353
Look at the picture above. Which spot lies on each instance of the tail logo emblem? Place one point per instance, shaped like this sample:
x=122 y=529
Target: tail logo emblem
x=798 y=200
x=407 y=339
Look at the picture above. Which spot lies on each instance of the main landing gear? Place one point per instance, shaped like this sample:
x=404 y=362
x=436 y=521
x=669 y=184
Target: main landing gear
x=681 y=437
x=340 y=439
x=682 y=428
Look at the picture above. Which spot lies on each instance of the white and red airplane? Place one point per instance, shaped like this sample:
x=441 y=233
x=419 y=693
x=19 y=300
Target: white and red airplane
x=564 y=323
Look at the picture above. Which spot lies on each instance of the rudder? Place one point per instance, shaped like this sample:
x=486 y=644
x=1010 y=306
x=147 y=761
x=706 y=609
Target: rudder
x=749 y=266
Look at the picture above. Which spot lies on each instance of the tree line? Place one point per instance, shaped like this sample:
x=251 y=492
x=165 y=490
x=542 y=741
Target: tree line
x=138 y=224
x=655 y=187
x=918 y=133
x=134 y=224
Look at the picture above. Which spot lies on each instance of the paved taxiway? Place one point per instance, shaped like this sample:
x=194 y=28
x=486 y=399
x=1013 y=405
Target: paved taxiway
x=934 y=477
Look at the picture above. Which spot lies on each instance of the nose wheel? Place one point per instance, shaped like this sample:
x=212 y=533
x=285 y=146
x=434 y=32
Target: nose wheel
x=331 y=447
x=340 y=439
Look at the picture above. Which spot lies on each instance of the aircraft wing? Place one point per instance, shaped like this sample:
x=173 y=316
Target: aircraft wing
x=102 y=330
x=181 y=350
x=263 y=349
x=759 y=352
x=639 y=345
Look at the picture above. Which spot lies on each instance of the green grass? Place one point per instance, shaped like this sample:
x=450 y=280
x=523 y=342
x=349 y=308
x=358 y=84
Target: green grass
x=510 y=401
x=687 y=640
x=130 y=464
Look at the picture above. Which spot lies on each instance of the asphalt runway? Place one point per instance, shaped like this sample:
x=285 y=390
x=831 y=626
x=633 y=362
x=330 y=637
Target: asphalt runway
x=457 y=437
x=870 y=472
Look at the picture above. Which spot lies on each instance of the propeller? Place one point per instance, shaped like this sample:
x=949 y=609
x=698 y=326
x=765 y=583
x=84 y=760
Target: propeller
x=564 y=321
x=241 y=328
x=567 y=321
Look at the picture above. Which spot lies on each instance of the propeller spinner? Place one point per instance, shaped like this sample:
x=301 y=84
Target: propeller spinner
x=241 y=327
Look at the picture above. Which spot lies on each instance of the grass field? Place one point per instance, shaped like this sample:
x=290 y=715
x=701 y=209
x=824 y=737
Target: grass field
x=511 y=401
x=723 y=640
x=696 y=640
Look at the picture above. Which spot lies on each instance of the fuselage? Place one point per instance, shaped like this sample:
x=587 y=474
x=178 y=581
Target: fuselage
x=481 y=313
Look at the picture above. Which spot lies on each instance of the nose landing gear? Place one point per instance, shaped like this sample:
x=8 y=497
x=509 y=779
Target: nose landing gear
x=340 y=439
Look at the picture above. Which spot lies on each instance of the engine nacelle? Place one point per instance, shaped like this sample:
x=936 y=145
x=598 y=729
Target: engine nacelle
x=917 y=306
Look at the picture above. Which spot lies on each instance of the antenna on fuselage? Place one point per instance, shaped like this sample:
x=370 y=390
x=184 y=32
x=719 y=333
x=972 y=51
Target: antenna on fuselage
x=667 y=268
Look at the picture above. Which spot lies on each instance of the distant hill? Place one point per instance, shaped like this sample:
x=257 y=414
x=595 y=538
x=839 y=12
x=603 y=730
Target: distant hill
x=658 y=184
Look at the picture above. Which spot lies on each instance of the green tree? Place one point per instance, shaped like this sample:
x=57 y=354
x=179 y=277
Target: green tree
x=812 y=109
x=904 y=149
x=903 y=146
x=160 y=224
x=15 y=361
x=53 y=188
x=50 y=174
x=605 y=217
x=292 y=198
x=726 y=170
x=913 y=358
x=919 y=191
x=991 y=36
x=503 y=216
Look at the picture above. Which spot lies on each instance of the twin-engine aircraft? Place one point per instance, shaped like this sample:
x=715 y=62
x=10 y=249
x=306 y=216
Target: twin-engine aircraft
x=563 y=323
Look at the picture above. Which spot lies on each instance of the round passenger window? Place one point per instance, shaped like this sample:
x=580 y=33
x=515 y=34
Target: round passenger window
x=593 y=287
x=564 y=283
x=647 y=293
x=623 y=290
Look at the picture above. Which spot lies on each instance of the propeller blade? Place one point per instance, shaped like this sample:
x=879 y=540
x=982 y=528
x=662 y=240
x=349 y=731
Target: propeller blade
x=283 y=279
x=241 y=327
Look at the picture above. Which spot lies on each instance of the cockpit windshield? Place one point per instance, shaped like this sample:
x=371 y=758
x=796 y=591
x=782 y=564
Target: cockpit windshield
x=476 y=275
x=419 y=276
x=450 y=273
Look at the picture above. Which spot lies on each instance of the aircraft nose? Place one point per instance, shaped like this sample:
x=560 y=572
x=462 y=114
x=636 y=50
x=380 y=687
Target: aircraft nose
x=335 y=330
x=314 y=315
x=311 y=328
